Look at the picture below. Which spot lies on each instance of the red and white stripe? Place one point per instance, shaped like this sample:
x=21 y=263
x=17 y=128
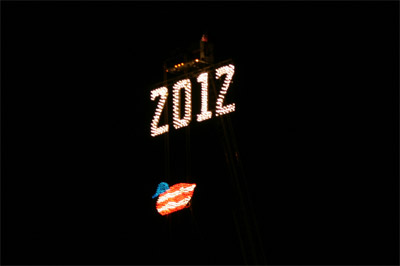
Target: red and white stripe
x=175 y=198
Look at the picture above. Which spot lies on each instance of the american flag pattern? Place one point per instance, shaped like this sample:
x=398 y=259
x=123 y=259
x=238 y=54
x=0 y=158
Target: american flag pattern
x=175 y=198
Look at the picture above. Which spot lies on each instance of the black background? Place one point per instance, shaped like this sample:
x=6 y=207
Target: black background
x=316 y=125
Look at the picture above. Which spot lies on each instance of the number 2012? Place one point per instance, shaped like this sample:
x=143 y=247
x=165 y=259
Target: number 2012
x=178 y=120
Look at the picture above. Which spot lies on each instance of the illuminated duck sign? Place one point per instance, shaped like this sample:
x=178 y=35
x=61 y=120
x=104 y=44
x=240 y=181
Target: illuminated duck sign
x=172 y=199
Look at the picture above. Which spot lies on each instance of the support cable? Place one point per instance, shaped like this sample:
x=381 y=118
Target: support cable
x=231 y=152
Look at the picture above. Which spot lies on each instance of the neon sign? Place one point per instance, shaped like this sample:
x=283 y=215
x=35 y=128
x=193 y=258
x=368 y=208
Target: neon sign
x=172 y=199
x=185 y=84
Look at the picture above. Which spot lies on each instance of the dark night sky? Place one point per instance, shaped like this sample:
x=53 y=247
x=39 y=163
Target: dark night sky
x=316 y=129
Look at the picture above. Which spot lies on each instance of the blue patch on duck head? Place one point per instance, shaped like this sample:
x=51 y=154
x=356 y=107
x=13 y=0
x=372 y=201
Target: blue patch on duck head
x=161 y=188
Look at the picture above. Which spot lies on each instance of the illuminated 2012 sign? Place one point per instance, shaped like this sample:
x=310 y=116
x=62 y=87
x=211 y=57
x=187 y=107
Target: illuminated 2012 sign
x=182 y=120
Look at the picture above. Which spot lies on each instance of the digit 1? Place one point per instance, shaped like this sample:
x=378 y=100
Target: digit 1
x=204 y=114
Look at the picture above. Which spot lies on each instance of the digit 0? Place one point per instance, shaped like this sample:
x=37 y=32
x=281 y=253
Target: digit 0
x=176 y=92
